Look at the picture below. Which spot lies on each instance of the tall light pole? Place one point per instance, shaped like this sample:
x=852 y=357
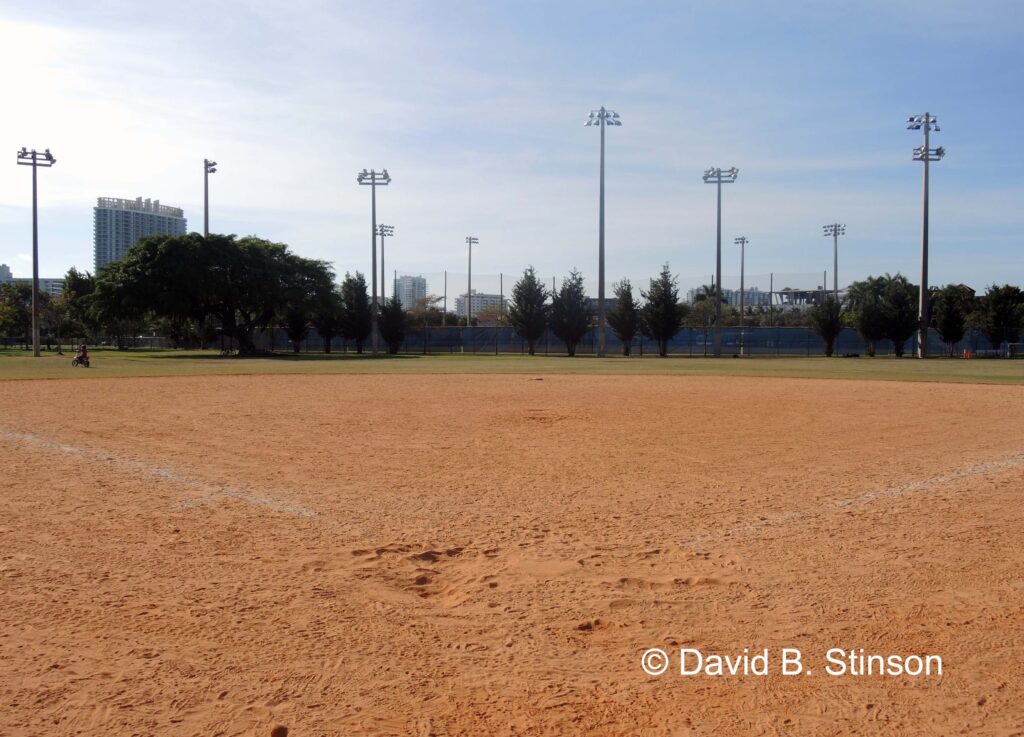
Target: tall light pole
x=742 y=243
x=601 y=118
x=470 y=242
x=718 y=176
x=383 y=231
x=371 y=179
x=209 y=167
x=35 y=160
x=833 y=231
x=924 y=153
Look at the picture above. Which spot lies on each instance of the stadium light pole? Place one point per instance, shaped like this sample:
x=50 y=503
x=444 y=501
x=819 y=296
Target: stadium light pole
x=209 y=167
x=470 y=242
x=742 y=243
x=833 y=231
x=601 y=118
x=35 y=160
x=383 y=231
x=372 y=179
x=928 y=123
x=719 y=177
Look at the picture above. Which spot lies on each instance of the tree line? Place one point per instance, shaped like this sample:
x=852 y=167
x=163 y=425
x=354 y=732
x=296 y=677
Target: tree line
x=197 y=289
x=886 y=308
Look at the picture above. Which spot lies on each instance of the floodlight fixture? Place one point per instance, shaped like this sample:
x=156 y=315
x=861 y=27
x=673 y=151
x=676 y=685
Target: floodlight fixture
x=35 y=159
x=384 y=231
x=372 y=178
x=718 y=176
x=926 y=154
x=833 y=231
x=601 y=118
x=470 y=242
x=209 y=167
x=742 y=242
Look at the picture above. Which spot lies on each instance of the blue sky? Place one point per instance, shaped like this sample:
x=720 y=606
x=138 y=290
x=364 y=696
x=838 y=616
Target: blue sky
x=476 y=109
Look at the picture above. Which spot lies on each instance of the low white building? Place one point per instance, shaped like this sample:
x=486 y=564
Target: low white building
x=53 y=287
x=481 y=304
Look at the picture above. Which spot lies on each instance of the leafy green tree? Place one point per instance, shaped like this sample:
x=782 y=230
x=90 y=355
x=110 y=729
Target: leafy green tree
x=307 y=284
x=1001 y=314
x=951 y=306
x=78 y=289
x=394 y=321
x=327 y=317
x=866 y=311
x=899 y=310
x=427 y=313
x=827 y=321
x=624 y=315
x=356 y=320
x=528 y=309
x=53 y=318
x=662 y=314
x=120 y=300
x=244 y=282
x=570 y=312
x=296 y=326
x=16 y=312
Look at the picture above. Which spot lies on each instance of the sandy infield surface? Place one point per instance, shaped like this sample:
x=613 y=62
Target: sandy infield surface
x=491 y=555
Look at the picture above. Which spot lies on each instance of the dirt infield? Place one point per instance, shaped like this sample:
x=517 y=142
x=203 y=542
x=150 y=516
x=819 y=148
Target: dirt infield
x=492 y=555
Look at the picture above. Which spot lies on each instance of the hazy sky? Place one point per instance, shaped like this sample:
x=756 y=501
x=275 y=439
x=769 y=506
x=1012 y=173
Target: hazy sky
x=477 y=111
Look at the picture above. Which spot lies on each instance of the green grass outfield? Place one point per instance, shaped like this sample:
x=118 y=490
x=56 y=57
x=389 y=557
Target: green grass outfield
x=17 y=364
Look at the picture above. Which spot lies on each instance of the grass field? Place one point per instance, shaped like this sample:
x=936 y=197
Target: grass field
x=21 y=365
x=381 y=547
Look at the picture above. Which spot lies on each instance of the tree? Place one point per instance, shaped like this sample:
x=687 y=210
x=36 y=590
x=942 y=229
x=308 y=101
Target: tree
x=950 y=307
x=624 y=315
x=296 y=326
x=16 y=311
x=866 y=313
x=356 y=321
x=78 y=289
x=1002 y=314
x=702 y=313
x=570 y=312
x=528 y=309
x=307 y=285
x=124 y=293
x=426 y=312
x=827 y=321
x=53 y=314
x=899 y=311
x=327 y=317
x=662 y=314
x=244 y=282
x=393 y=323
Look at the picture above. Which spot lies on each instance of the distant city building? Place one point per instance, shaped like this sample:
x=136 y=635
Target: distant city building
x=482 y=304
x=119 y=224
x=753 y=297
x=53 y=287
x=410 y=290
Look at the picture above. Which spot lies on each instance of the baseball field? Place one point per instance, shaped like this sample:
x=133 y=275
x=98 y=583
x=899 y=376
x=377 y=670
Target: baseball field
x=477 y=546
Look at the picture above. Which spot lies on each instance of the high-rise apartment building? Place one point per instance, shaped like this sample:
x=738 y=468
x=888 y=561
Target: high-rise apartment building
x=410 y=290
x=119 y=224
